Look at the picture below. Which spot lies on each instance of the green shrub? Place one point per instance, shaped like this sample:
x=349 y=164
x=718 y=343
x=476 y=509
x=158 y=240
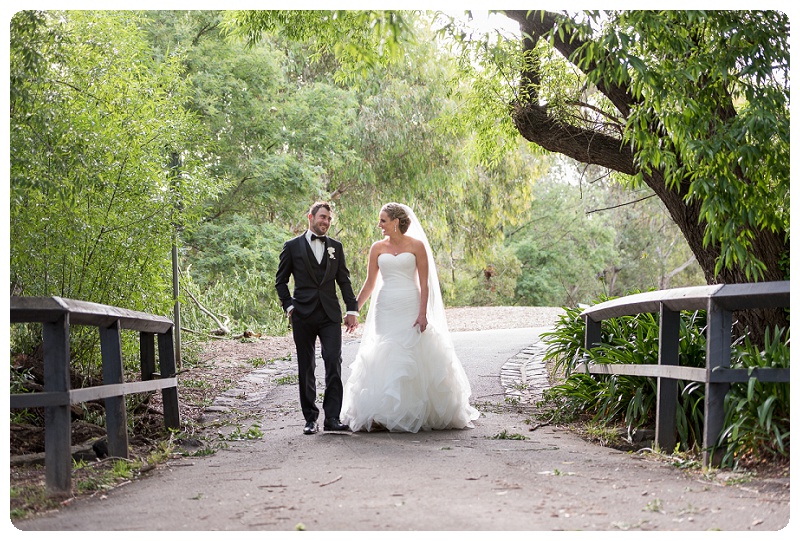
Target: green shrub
x=245 y=300
x=757 y=413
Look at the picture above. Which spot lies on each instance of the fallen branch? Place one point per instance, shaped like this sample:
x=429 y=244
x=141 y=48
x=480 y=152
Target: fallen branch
x=538 y=426
x=331 y=482
x=223 y=327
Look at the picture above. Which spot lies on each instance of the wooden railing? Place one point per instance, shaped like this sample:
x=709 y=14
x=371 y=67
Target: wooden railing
x=719 y=301
x=56 y=316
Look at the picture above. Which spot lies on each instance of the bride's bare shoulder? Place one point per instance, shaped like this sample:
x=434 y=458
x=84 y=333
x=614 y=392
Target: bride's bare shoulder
x=377 y=247
x=417 y=246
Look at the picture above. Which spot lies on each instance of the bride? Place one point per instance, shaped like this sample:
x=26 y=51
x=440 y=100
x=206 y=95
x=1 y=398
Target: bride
x=406 y=376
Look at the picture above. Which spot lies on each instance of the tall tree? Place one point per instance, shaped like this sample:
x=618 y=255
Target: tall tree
x=405 y=145
x=248 y=105
x=693 y=104
x=95 y=122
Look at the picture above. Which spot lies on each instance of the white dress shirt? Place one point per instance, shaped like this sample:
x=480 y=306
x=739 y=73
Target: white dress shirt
x=317 y=246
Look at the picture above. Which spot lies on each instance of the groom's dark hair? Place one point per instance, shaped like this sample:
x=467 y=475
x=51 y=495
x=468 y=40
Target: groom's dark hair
x=319 y=205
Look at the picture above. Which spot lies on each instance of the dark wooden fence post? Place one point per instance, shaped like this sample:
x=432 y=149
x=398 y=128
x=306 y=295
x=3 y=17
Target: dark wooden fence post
x=147 y=355
x=116 y=416
x=718 y=355
x=57 y=418
x=166 y=361
x=592 y=336
x=667 y=388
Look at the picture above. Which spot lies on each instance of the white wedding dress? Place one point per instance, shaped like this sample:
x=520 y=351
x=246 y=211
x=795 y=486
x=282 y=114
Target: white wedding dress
x=404 y=380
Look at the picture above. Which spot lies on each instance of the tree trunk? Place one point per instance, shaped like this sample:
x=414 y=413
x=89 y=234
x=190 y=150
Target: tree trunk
x=537 y=125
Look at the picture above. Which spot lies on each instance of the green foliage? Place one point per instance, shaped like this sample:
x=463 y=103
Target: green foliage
x=558 y=408
x=268 y=125
x=582 y=239
x=757 y=413
x=488 y=66
x=19 y=382
x=244 y=297
x=603 y=434
x=565 y=342
x=395 y=140
x=505 y=435
x=492 y=285
x=254 y=432
x=360 y=41
x=236 y=244
x=244 y=118
x=740 y=60
x=654 y=506
x=628 y=399
x=561 y=249
x=477 y=114
x=709 y=111
x=259 y=362
x=291 y=379
x=95 y=125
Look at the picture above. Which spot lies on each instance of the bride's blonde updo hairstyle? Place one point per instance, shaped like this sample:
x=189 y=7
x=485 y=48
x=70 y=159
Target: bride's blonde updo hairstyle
x=396 y=210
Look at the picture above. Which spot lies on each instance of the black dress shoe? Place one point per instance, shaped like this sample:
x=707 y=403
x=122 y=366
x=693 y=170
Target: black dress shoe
x=334 y=424
x=310 y=428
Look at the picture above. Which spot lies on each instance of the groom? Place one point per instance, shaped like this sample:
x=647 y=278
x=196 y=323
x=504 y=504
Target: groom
x=317 y=264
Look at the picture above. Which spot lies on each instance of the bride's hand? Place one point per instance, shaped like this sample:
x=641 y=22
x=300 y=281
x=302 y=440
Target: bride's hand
x=422 y=321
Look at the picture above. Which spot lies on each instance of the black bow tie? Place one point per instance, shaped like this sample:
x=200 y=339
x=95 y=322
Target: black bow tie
x=318 y=237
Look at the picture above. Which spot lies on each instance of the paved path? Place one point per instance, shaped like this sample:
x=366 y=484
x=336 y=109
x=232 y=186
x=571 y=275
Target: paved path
x=467 y=480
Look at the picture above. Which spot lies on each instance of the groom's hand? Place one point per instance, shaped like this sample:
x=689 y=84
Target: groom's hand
x=350 y=322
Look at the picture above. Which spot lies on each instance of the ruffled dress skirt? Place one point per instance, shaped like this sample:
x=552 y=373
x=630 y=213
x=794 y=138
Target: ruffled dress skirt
x=403 y=380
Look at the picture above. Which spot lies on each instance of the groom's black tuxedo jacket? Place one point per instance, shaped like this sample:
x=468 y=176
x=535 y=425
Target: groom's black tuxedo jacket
x=314 y=283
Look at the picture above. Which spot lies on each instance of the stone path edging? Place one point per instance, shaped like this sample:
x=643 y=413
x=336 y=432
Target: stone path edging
x=524 y=376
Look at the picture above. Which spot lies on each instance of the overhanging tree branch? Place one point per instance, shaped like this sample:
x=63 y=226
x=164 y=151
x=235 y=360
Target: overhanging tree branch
x=622 y=204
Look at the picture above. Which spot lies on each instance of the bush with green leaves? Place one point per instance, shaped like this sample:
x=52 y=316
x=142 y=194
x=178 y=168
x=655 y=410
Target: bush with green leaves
x=231 y=272
x=620 y=398
x=97 y=126
x=245 y=300
x=757 y=413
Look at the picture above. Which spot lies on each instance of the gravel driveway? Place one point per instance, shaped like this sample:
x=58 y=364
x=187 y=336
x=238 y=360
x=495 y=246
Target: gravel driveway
x=501 y=317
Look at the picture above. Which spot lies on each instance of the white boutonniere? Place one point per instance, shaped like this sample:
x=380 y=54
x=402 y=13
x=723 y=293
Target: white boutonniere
x=331 y=251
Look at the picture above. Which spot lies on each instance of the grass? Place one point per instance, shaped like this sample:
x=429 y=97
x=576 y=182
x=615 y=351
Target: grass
x=196 y=383
x=259 y=362
x=606 y=436
x=252 y=433
x=654 y=506
x=291 y=379
x=505 y=435
x=29 y=494
x=29 y=498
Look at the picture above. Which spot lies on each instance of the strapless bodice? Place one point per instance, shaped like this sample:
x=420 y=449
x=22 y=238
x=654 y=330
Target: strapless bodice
x=398 y=270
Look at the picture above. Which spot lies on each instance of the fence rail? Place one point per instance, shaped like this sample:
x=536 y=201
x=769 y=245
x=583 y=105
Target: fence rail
x=56 y=315
x=719 y=301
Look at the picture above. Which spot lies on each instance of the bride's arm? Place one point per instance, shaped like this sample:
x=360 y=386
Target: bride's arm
x=372 y=275
x=422 y=272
